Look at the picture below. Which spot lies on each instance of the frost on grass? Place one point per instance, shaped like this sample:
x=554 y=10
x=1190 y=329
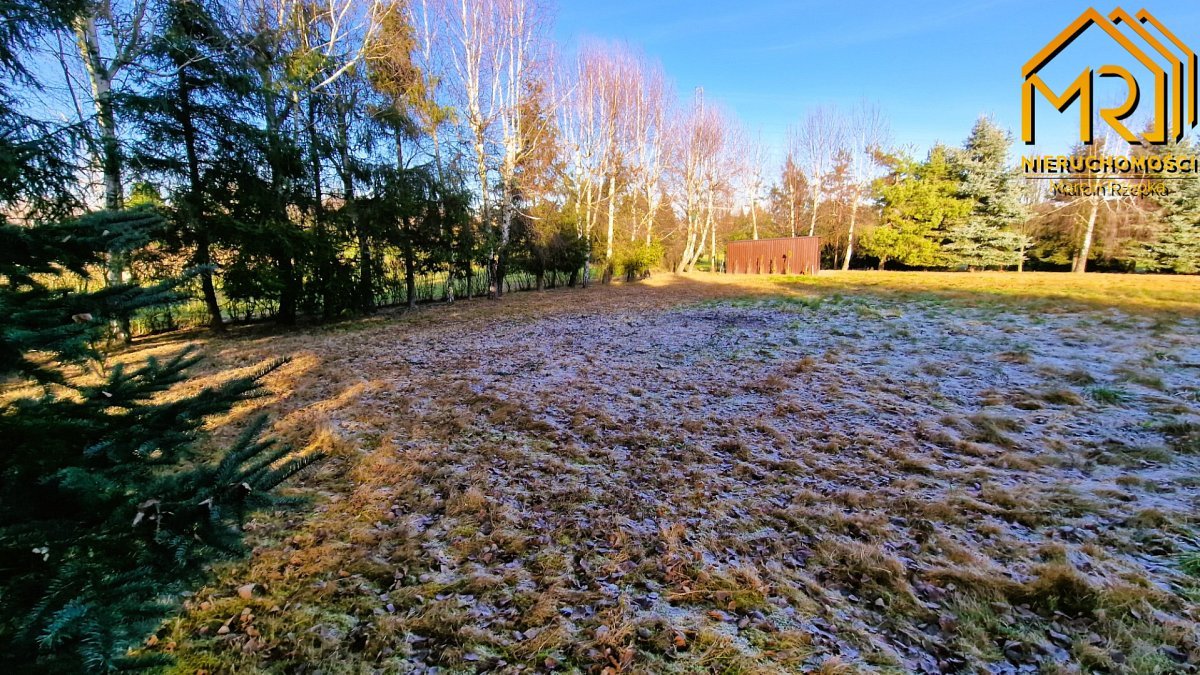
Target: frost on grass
x=833 y=481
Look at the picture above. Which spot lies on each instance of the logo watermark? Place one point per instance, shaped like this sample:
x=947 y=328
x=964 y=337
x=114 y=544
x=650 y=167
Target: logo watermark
x=1172 y=68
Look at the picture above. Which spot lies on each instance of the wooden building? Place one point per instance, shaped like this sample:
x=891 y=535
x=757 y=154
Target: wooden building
x=785 y=255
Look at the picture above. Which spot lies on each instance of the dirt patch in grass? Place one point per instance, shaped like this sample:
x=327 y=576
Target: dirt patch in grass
x=723 y=475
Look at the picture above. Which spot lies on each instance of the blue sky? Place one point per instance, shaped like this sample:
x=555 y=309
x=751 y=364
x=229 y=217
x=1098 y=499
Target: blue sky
x=933 y=66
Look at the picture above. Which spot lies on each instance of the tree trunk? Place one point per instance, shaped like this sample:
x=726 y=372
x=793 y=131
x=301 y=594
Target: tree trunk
x=587 y=236
x=699 y=249
x=712 y=245
x=193 y=201
x=501 y=270
x=1085 y=250
x=101 y=79
x=792 y=209
x=366 y=276
x=651 y=214
x=507 y=211
x=754 y=220
x=812 y=219
x=484 y=210
x=612 y=216
x=289 y=295
x=850 y=233
x=465 y=263
x=101 y=84
x=689 y=248
x=410 y=268
x=324 y=250
x=280 y=250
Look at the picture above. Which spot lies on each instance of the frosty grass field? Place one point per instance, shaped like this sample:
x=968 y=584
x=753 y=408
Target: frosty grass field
x=896 y=472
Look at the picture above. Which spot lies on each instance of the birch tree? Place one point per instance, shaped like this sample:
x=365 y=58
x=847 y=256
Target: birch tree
x=608 y=77
x=866 y=132
x=497 y=52
x=110 y=37
x=467 y=41
x=1087 y=207
x=592 y=130
x=814 y=145
x=754 y=155
x=788 y=197
x=699 y=177
x=649 y=109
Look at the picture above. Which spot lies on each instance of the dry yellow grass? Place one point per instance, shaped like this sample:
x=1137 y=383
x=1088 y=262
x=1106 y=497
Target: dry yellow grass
x=1131 y=293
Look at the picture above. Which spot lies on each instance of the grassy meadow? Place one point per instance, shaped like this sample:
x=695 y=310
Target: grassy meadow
x=851 y=472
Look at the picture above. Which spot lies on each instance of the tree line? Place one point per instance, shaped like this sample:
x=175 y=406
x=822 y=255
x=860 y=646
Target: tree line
x=970 y=207
x=326 y=158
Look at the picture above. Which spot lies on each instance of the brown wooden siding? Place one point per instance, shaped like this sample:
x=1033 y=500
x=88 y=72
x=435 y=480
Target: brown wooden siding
x=787 y=255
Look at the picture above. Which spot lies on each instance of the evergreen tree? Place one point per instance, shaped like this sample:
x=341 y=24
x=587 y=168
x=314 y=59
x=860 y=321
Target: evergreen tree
x=411 y=212
x=34 y=167
x=107 y=510
x=1177 y=247
x=190 y=113
x=270 y=174
x=920 y=201
x=986 y=238
x=1173 y=246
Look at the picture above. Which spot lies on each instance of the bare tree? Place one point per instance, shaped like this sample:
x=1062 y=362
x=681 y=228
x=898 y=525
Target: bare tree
x=467 y=40
x=866 y=131
x=582 y=130
x=110 y=37
x=609 y=75
x=700 y=175
x=789 y=196
x=754 y=157
x=649 y=106
x=1093 y=200
x=496 y=50
x=814 y=145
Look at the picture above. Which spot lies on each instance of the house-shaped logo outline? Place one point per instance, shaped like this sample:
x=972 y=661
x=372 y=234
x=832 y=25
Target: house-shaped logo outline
x=1191 y=69
x=1081 y=87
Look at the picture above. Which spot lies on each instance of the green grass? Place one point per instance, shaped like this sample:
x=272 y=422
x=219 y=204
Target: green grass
x=1108 y=395
x=1190 y=563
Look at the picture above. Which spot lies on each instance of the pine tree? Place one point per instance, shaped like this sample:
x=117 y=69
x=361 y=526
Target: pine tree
x=985 y=238
x=34 y=162
x=920 y=201
x=189 y=113
x=1177 y=247
x=106 y=508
